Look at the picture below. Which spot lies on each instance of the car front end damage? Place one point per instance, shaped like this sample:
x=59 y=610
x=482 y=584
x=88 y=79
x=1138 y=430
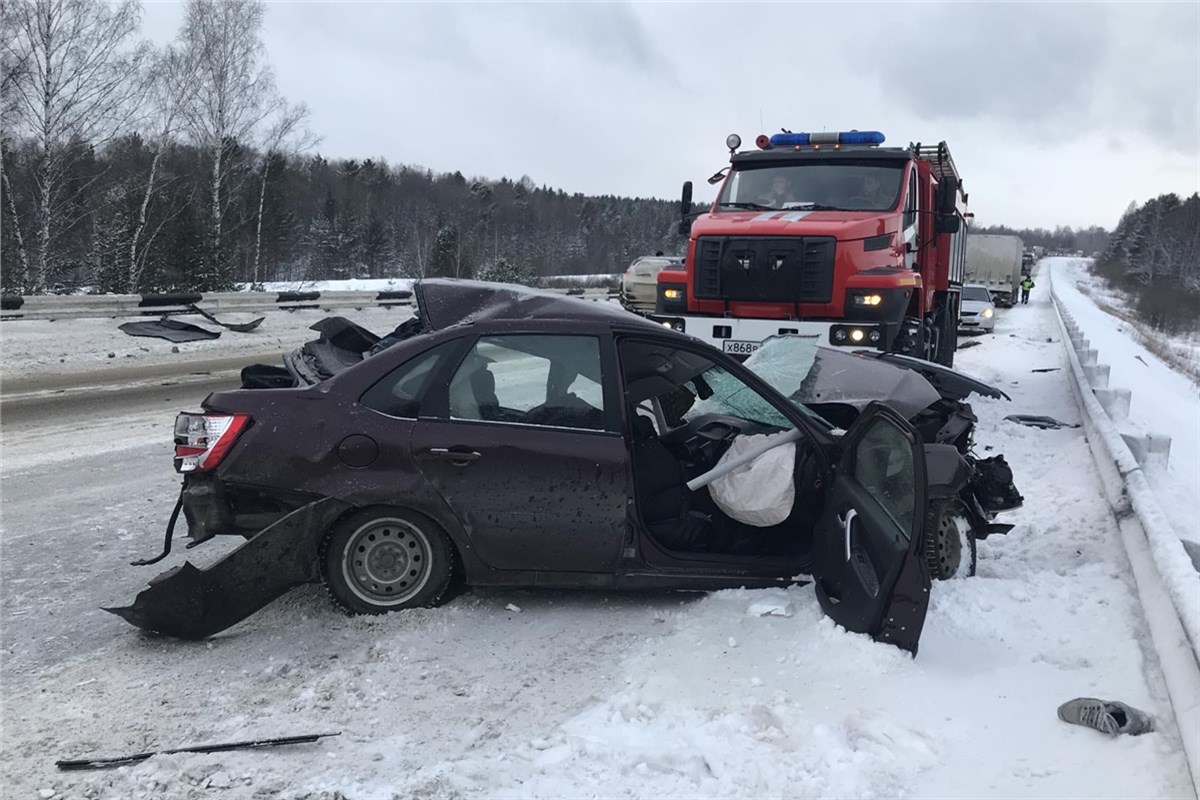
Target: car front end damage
x=838 y=385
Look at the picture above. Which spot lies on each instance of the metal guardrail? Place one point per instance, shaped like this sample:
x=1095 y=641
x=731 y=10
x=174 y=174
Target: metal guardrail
x=134 y=305
x=1165 y=582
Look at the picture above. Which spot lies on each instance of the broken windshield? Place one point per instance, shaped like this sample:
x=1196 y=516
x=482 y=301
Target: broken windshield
x=809 y=375
x=840 y=186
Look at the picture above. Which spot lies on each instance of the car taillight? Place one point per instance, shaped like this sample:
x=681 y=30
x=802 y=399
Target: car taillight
x=202 y=440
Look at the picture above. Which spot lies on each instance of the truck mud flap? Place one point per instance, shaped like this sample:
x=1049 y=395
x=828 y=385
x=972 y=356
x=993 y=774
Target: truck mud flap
x=192 y=603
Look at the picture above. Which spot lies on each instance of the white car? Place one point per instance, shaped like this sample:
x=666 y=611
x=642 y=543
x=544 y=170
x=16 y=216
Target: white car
x=978 y=312
x=639 y=284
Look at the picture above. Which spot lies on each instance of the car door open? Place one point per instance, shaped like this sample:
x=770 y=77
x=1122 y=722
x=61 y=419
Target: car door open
x=870 y=576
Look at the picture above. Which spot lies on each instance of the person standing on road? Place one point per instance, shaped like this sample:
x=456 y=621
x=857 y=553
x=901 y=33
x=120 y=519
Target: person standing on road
x=1026 y=285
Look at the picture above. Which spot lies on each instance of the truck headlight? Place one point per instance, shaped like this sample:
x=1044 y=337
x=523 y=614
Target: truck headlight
x=868 y=299
x=672 y=294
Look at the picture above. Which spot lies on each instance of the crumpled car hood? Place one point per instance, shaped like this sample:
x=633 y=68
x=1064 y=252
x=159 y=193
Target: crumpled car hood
x=808 y=373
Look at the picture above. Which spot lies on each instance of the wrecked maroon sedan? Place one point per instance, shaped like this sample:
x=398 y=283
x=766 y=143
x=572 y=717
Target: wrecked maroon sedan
x=519 y=438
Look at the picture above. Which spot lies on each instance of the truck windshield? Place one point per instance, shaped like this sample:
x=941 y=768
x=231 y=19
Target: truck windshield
x=841 y=186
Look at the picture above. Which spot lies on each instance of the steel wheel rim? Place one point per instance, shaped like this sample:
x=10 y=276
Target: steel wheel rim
x=949 y=546
x=387 y=562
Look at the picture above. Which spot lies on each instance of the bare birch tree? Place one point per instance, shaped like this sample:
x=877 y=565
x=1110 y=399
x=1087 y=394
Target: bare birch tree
x=78 y=88
x=285 y=138
x=234 y=93
x=171 y=86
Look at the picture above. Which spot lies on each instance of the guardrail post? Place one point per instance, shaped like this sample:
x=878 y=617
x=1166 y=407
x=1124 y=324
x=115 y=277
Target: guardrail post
x=1158 y=449
x=1097 y=375
x=1138 y=445
x=1115 y=403
x=1087 y=358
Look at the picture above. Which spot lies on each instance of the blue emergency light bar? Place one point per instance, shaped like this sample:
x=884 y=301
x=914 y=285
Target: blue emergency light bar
x=832 y=137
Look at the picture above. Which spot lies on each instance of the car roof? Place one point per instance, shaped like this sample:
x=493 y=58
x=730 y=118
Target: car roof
x=446 y=302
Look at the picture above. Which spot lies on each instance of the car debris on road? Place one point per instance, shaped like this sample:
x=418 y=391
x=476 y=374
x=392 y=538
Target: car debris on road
x=120 y=761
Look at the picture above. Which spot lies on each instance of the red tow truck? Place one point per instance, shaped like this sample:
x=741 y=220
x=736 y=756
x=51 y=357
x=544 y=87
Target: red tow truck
x=827 y=235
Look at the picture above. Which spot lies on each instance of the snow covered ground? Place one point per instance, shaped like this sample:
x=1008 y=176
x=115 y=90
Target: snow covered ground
x=520 y=694
x=34 y=349
x=1163 y=400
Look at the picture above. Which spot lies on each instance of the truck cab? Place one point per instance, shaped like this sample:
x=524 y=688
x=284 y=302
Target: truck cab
x=828 y=235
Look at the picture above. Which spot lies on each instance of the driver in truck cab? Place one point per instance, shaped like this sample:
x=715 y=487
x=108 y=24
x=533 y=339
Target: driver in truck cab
x=871 y=196
x=779 y=193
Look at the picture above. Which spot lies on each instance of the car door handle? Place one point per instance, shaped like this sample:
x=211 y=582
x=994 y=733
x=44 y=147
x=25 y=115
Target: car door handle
x=848 y=523
x=460 y=457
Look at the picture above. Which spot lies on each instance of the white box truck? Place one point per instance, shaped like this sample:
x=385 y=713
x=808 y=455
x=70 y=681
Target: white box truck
x=994 y=261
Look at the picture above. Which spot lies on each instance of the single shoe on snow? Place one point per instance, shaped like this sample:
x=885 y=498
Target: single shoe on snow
x=1107 y=716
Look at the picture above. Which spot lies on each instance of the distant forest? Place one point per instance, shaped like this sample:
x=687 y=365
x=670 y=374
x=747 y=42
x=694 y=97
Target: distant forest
x=320 y=220
x=130 y=168
x=1154 y=255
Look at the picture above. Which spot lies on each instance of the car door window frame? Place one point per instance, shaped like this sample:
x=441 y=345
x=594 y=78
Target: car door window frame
x=438 y=395
x=437 y=377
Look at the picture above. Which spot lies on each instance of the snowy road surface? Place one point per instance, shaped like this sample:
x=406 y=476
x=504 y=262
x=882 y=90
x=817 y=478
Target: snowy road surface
x=553 y=694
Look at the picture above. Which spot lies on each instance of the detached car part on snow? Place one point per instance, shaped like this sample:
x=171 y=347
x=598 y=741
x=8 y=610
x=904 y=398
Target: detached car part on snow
x=523 y=438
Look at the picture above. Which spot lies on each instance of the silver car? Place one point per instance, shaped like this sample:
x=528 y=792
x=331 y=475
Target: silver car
x=978 y=312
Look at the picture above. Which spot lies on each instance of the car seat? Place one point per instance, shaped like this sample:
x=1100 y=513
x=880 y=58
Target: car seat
x=664 y=500
x=473 y=391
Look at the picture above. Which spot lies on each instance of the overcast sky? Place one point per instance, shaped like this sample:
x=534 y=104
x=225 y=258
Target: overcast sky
x=1056 y=114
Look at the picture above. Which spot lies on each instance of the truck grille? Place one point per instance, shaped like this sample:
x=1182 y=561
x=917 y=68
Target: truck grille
x=765 y=268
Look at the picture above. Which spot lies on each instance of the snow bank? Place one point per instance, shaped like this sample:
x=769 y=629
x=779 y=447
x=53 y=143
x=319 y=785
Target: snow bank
x=1164 y=401
x=30 y=349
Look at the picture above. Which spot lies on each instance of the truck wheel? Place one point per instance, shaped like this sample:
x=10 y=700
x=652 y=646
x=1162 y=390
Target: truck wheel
x=386 y=559
x=949 y=541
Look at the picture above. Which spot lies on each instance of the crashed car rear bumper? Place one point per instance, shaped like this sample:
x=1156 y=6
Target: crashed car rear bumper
x=193 y=603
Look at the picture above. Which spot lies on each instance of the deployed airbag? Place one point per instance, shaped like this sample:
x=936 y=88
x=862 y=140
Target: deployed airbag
x=760 y=492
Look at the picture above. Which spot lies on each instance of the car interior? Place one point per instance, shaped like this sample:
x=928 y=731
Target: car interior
x=530 y=379
x=685 y=412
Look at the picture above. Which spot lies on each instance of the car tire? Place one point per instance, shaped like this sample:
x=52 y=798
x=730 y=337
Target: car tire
x=949 y=541
x=386 y=559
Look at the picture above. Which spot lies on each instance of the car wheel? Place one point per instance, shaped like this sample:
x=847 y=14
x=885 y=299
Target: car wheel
x=949 y=542
x=386 y=559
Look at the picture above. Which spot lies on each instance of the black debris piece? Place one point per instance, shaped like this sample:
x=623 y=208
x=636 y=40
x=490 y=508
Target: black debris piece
x=1046 y=369
x=1035 y=421
x=240 y=327
x=1139 y=358
x=170 y=329
x=970 y=343
x=118 y=761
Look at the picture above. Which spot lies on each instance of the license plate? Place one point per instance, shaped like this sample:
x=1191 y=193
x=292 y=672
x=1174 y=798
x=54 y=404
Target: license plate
x=739 y=347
